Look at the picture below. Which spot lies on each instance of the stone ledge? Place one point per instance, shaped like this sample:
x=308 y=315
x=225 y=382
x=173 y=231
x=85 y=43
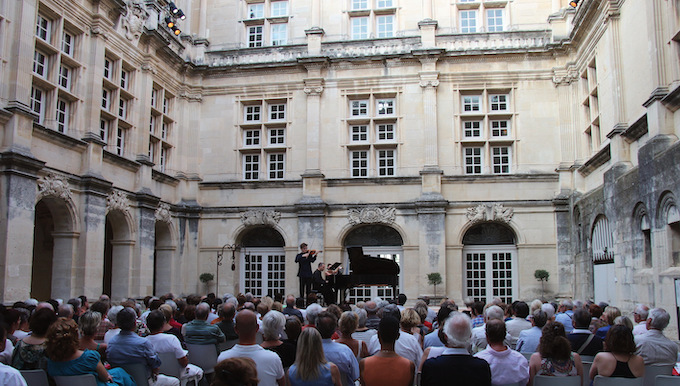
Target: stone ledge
x=600 y=158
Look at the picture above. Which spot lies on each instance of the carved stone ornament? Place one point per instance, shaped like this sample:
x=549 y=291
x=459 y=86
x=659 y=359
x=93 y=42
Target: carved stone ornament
x=501 y=213
x=134 y=19
x=163 y=213
x=476 y=213
x=260 y=217
x=313 y=90
x=117 y=200
x=372 y=215
x=54 y=186
x=429 y=83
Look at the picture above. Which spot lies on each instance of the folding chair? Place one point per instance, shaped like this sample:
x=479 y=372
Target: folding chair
x=617 y=381
x=75 y=380
x=138 y=372
x=546 y=380
x=228 y=344
x=170 y=366
x=664 y=380
x=203 y=356
x=651 y=371
x=35 y=377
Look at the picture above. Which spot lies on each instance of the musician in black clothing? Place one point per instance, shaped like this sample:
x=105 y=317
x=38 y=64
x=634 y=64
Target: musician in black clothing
x=321 y=285
x=305 y=258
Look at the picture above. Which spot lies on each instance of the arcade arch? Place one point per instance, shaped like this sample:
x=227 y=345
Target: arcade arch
x=118 y=248
x=262 y=262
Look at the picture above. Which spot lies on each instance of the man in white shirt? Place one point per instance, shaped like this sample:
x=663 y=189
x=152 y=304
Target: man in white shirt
x=268 y=363
x=407 y=345
x=479 y=333
x=8 y=374
x=507 y=365
x=653 y=346
x=640 y=316
x=164 y=343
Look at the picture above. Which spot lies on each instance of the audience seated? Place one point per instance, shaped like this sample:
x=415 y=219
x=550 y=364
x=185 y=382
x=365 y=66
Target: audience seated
x=519 y=321
x=456 y=359
x=528 y=339
x=640 y=315
x=337 y=353
x=112 y=316
x=479 y=333
x=386 y=367
x=409 y=324
x=8 y=374
x=362 y=332
x=372 y=318
x=565 y=315
x=433 y=339
x=608 y=317
x=583 y=341
x=653 y=346
x=619 y=359
x=235 y=371
x=200 y=331
x=554 y=356
x=88 y=325
x=507 y=365
x=290 y=309
x=311 y=366
x=269 y=365
x=272 y=329
x=407 y=345
x=347 y=325
x=66 y=359
x=29 y=353
x=312 y=311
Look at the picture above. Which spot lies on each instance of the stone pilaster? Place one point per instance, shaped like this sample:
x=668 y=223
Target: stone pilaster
x=312 y=177
x=142 y=277
x=431 y=257
x=188 y=216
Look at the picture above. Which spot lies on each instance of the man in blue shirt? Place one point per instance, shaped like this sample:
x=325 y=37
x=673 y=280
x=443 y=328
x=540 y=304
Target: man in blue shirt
x=129 y=348
x=199 y=331
x=338 y=353
x=528 y=339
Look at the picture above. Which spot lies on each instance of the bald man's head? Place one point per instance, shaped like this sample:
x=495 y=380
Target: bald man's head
x=246 y=326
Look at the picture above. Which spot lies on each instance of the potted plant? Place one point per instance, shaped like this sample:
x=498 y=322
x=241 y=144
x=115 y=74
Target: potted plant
x=206 y=277
x=542 y=275
x=434 y=278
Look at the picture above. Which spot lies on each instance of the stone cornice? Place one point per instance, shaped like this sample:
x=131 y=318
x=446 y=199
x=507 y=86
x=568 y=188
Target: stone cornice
x=597 y=160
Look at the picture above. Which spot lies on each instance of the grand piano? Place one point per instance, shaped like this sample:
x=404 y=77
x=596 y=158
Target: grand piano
x=367 y=270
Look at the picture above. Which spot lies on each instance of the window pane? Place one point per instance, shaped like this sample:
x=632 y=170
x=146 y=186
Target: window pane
x=386 y=162
x=359 y=133
x=386 y=132
x=38 y=103
x=359 y=108
x=359 y=27
x=385 y=26
x=67 y=43
x=385 y=107
x=40 y=64
x=501 y=160
x=277 y=112
x=359 y=163
x=498 y=102
x=251 y=138
x=468 y=21
x=471 y=103
x=473 y=160
x=42 y=28
x=251 y=167
x=252 y=113
x=255 y=36
x=500 y=128
x=276 y=166
x=494 y=20
x=359 y=4
x=62 y=115
x=279 y=34
x=472 y=129
x=256 y=11
x=279 y=8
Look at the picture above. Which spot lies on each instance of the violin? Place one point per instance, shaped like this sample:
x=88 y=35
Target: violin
x=313 y=252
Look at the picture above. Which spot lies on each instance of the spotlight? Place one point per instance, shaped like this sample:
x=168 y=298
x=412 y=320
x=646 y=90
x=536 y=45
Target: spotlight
x=173 y=7
x=181 y=15
x=574 y=3
x=176 y=30
x=169 y=22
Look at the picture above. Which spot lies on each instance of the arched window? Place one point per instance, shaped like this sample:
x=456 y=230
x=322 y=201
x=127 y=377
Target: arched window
x=604 y=271
x=264 y=262
x=490 y=261
x=603 y=242
x=642 y=245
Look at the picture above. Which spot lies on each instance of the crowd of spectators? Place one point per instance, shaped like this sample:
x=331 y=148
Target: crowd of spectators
x=377 y=342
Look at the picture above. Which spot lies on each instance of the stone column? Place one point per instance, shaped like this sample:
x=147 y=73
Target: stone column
x=64 y=272
x=312 y=177
x=121 y=269
x=566 y=81
x=142 y=279
x=17 y=215
x=432 y=242
x=90 y=265
x=186 y=279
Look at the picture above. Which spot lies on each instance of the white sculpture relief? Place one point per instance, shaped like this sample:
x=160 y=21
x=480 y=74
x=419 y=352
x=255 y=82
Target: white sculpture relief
x=260 y=217
x=372 y=215
x=134 y=19
x=476 y=213
x=54 y=186
x=163 y=213
x=313 y=90
x=117 y=200
x=501 y=213
x=429 y=83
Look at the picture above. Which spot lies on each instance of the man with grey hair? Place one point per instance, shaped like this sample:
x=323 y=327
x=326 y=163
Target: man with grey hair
x=199 y=331
x=456 y=362
x=362 y=332
x=479 y=333
x=312 y=312
x=653 y=346
x=565 y=315
x=640 y=316
x=372 y=318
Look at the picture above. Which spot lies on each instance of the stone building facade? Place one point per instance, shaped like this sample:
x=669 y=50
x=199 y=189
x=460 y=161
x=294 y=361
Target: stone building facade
x=479 y=139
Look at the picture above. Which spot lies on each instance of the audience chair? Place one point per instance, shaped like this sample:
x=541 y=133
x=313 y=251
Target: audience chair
x=203 y=356
x=75 y=380
x=661 y=380
x=587 y=358
x=617 y=381
x=35 y=377
x=228 y=344
x=170 y=366
x=545 y=380
x=512 y=384
x=527 y=355
x=586 y=372
x=652 y=371
x=138 y=372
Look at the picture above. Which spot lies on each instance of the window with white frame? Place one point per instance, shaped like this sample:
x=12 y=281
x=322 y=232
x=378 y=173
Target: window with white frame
x=359 y=163
x=121 y=133
x=279 y=8
x=252 y=113
x=38 y=103
x=500 y=159
x=65 y=77
x=471 y=103
x=277 y=137
x=359 y=5
x=62 y=115
x=264 y=271
x=123 y=108
x=473 y=160
x=165 y=129
x=489 y=273
x=124 y=79
x=255 y=37
x=67 y=41
x=153 y=122
x=43 y=28
x=500 y=128
x=279 y=34
x=358 y=133
x=106 y=99
x=256 y=11
x=276 y=165
x=154 y=97
x=494 y=20
x=277 y=112
x=104 y=126
x=468 y=21
x=152 y=150
x=359 y=27
x=251 y=167
x=359 y=108
x=385 y=106
x=166 y=105
x=498 y=102
x=384 y=4
x=163 y=159
x=385 y=26
x=40 y=64
x=160 y=126
x=472 y=129
x=251 y=138
x=386 y=163
x=385 y=132
x=108 y=69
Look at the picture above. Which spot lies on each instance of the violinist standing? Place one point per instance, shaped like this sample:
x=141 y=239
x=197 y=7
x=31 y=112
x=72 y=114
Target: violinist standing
x=305 y=258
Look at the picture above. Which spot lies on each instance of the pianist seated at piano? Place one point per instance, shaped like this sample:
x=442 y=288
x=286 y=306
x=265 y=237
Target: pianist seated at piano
x=320 y=284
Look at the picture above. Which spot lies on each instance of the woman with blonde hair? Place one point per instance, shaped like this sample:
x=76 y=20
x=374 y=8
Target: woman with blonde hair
x=310 y=367
x=65 y=358
x=88 y=323
x=409 y=324
x=348 y=324
x=608 y=317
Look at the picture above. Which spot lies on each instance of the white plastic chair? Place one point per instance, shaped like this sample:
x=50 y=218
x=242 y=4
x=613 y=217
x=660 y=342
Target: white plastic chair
x=170 y=366
x=664 y=380
x=652 y=371
x=35 y=377
x=546 y=380
x=203 y=356
x=75 y=380
x=617 y=381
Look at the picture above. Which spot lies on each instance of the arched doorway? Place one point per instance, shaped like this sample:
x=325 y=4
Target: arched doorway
x=263 y=262
x=604 y=269
x=118 y=245
x=163 y=266
x=490 y=263
x=379 y=241
x=54 y=243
